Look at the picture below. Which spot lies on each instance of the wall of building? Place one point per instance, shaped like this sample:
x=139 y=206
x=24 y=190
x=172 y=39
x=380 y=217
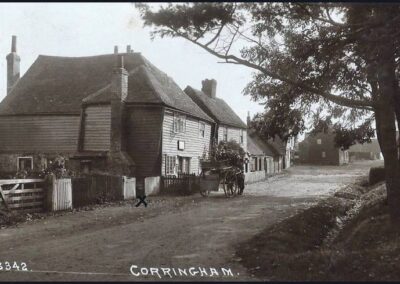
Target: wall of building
x=97 y=123
x=312 y=152
x=195 y=145
x=233 y=134
x=144 y=139
x=39 y=133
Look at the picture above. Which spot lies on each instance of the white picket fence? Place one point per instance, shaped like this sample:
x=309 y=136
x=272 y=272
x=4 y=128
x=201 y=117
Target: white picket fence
x=61 y=194
x=129 y=188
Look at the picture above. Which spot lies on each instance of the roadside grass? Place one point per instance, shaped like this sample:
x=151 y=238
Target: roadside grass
x=347 y=237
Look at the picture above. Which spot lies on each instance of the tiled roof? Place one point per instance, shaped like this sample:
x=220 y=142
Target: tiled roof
x=60 y=84
x=216 y=108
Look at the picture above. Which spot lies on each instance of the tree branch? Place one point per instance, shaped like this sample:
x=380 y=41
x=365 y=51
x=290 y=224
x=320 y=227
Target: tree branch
x=229 y=58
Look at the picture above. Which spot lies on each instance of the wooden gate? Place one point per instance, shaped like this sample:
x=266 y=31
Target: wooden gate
x=96 y=189
x=26 y=195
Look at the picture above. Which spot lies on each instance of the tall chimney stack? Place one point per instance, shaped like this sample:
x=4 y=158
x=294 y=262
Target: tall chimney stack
x=116 y=49
x=13 y=60
x=119 y=159
x=128 y=49
x=209 y=87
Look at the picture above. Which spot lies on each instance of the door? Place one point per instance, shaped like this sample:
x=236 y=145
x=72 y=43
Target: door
x=184 y=165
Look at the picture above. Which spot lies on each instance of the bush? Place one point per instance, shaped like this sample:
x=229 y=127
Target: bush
x=376 y=174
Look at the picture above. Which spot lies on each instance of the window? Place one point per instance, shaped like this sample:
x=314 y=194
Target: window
x=253 y=164
x=24 y=163
x=202 y=129
x=241 y=136
x=319 y=141
x=86 y=166
x=323 y=155
x=179 y=123
x=170 y=163
x=225 y=134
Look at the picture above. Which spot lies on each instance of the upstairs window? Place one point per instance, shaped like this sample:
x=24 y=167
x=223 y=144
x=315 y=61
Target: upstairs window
x=319 y=141
x=241 y=136
x=179 y=123
x=225 y=134
x=202 y=129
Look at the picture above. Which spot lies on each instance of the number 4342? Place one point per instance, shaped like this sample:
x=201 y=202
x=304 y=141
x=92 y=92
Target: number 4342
x=8 y=266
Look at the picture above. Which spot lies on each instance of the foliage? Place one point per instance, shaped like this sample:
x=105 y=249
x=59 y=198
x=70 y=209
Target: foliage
x=56 y=167
x=308 y=57
x=229 y=151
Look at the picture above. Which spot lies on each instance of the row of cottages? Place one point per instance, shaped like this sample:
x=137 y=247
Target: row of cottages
x=264 y=159
x=320 y=149
x=114 y=113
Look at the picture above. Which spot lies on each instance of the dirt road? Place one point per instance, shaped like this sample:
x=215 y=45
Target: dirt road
x=170 y=233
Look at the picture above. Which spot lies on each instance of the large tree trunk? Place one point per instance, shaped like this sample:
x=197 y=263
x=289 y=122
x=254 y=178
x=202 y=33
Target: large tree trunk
x=386 y=119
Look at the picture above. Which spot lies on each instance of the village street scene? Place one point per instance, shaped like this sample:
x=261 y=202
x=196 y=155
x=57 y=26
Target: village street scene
x=199 y=141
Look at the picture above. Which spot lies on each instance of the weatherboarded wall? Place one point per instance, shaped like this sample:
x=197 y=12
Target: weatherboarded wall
x=97 y=128
x=144 y=139
x=233 y=134
x=41 y=137
x=39 y=133
x=195 y=144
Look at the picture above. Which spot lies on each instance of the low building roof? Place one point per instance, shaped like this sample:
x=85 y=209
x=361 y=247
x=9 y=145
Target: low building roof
x=373 y=146
x=256 y=145
x=216 y=108
x=59 y=85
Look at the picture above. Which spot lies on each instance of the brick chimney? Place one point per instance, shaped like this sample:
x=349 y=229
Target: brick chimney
x=119 y=160
x=128 y=49
x=13 y=61
x=209 y=87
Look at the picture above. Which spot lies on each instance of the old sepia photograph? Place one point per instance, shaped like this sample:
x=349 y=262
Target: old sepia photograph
x=199 y=141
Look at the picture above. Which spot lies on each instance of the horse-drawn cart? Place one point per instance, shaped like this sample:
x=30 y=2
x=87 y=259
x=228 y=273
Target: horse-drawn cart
x=219 y=174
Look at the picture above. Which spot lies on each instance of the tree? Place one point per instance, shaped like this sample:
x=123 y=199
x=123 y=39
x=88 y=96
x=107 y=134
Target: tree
x=341 y=57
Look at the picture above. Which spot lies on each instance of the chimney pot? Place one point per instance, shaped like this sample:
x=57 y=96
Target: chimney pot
x=116 y=49
x=128 y=49
x=14 y=44
x=209 y=87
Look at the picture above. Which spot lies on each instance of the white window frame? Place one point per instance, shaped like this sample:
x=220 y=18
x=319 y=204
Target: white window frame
x=170 y=165
x=241 y=136
x=25 y=157
x=202 y=129
x=179 y=123
x=319 y=141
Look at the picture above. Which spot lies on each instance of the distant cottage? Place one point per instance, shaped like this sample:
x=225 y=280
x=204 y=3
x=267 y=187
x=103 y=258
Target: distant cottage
x=113 y=113
x=320 y=149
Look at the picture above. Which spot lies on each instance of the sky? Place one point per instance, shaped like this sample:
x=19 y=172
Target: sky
x=86 y=29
